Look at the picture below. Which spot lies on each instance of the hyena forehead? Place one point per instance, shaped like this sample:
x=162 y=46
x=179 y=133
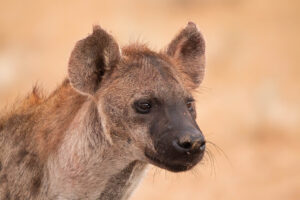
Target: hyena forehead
x=147 y=73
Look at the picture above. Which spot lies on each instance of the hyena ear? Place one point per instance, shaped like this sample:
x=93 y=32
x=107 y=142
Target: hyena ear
x=188 y=49
x=91 y=58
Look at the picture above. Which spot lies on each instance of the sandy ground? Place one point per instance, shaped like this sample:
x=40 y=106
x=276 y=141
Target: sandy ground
x=248 y=104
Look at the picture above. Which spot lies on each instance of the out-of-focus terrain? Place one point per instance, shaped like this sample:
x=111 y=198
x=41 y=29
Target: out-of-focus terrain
x=248 y=105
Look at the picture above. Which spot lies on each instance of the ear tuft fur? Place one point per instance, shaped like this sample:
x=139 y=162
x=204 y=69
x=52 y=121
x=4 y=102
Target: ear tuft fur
x=91 y=58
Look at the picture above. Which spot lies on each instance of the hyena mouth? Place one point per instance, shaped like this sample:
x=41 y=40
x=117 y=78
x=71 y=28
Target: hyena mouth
x=168 y=165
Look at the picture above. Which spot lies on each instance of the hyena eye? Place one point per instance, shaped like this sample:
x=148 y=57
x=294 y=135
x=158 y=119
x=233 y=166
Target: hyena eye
x=189 y=104
x=142 y=106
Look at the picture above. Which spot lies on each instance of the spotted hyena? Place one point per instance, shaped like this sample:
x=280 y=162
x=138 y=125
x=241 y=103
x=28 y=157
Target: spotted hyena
x=117 y=111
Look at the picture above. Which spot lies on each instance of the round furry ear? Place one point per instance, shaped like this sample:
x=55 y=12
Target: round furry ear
x=188 y=49
x=91 y=58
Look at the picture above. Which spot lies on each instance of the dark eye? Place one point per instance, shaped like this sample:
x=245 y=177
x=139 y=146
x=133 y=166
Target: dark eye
x=142 y=106
x=189 y=105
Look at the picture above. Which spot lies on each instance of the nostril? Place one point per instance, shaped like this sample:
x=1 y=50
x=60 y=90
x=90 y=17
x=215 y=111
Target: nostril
x=190 y=145
x=186 y=145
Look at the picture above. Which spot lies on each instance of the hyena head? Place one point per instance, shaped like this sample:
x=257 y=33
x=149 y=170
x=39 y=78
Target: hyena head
x=145 y=98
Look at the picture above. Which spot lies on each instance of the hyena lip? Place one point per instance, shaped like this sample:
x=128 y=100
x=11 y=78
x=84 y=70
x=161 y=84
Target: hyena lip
x=168 y=165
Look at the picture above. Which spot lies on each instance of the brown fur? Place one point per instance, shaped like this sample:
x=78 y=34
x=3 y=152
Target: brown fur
x=84 y=140
x=33 y=144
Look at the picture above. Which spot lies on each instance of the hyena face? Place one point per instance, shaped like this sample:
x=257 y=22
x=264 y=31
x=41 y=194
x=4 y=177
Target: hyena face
x=145 y=98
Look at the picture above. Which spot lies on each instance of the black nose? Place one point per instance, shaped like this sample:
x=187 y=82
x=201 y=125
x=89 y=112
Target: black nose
x=190 y=143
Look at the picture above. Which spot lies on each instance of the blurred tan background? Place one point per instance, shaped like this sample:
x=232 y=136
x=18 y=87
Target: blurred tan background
x=248 y=104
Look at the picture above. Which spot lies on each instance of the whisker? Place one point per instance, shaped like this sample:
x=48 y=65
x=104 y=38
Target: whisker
x=154 y=174
x=220 y=151
x=196 y=172
x=212 y=162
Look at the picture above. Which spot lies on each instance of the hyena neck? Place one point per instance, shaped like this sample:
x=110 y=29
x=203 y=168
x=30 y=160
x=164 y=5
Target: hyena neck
x=88 y=166
x=121 y=185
